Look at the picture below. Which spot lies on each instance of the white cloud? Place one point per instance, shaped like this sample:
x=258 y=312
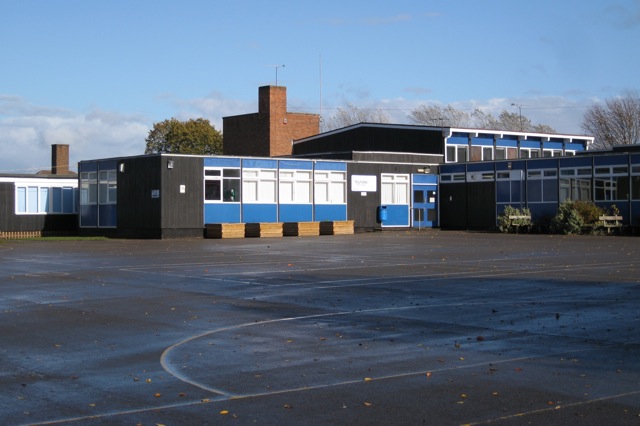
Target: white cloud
x=27 y=132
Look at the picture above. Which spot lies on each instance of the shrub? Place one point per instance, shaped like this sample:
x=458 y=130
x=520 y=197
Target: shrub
x=589 y=212
x=573 y=216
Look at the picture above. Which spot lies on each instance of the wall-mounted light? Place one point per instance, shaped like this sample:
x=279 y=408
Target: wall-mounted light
x=170 y=164
x=121 y=167
x=509 y=165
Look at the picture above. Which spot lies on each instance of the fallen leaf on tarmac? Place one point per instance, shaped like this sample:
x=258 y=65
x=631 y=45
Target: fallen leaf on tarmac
x=428 y=373
x=288 y=406
x=368 y=379
x=289 y=341
x=224 y=412
x=158 y=395
x=367 y=404
x=205 y=400
x=148 y=380
x=462 y=395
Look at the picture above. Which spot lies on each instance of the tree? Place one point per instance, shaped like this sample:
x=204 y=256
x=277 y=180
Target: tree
x=433 y=115
x=353 y=115
x=617 y=122
x=451 y=117
x=184 y=137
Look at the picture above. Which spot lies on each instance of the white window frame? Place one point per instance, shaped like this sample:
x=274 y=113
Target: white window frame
x=259 y=186
x=330 y=187
x=395 y=189
x=228 y=179
x=295 y=186
x=88 y=188
x=457 y=149
x=37 y=198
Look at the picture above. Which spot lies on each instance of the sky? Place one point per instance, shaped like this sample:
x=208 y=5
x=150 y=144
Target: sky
x=97 y=74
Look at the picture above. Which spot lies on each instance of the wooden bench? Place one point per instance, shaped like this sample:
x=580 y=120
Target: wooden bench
x=516 y=221
x=611 y=222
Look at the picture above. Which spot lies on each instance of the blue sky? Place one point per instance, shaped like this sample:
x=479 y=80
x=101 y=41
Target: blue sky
x=97 y=74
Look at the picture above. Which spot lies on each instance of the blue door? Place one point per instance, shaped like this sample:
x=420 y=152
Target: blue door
x=424 y=210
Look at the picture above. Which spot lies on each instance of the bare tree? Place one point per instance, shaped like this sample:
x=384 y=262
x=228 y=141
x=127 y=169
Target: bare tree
x=433 y=115
x=449 y=116
x=617 y=122
x=350 y=115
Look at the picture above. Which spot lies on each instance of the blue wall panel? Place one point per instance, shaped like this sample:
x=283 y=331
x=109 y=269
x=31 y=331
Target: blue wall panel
x=530 y=144
x=259 y=164
x=570 y=162
x=397 y=215
x=611 y=160
x=320 y=165
x=420 y=178
x=252 y=213
x=324 y=212
x=221 y=162
x=222 y=213
x=107 y=214
x=88 y=215
x=296 y=213
x=482 y=140
x=542 y=164
x=458 y=140
x=296 y=165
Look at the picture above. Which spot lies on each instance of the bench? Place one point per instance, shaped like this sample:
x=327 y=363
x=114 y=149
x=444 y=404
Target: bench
x=516 y=221
x=609 y=222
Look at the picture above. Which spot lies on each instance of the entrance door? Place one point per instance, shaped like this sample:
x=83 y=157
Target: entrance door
x=424 y=213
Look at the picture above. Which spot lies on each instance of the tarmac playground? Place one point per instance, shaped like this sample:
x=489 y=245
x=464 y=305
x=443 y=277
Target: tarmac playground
x=393 y=328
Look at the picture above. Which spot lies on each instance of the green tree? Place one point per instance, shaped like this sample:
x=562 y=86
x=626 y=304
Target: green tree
x=184 y=137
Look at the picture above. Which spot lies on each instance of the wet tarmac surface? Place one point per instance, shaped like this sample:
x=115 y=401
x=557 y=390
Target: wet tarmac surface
x=411 y=328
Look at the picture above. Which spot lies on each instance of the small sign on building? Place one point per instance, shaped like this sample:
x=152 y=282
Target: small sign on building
x=364 y=183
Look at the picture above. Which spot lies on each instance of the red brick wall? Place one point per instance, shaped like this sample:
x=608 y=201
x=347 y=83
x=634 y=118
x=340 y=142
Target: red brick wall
x=269 y=132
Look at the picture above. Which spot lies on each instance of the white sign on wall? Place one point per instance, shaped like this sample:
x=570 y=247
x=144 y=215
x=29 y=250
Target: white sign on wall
x=364 y=183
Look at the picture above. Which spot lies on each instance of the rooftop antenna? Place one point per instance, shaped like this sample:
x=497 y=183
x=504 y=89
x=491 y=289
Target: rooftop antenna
x=320 y=63
x=276 y=67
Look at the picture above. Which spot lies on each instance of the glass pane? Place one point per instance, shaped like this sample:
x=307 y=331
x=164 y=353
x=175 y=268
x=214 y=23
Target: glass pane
x=212 y=190
x=44 y=200
x=232 y=190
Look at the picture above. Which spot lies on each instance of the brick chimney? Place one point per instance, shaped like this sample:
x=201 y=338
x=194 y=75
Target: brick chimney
x=59 y=159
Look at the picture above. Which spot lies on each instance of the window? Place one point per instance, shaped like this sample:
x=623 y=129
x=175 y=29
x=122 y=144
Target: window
x=575 y=184
x=529 y=153
x=635 y=182
x=500 y=153
x=487 y=153
x=611 y=183
x=542 y=186
x=39 y=199
x=395 y=189
x=107 y=187
x=88 y=188
x=457 y=153
x=330 y=187
x=295 y=187
x=221 y=185
x=259 y=185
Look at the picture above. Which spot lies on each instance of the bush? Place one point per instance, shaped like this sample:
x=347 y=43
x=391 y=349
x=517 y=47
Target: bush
x=567 y=221
x=574 y=216
x=505 y=225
